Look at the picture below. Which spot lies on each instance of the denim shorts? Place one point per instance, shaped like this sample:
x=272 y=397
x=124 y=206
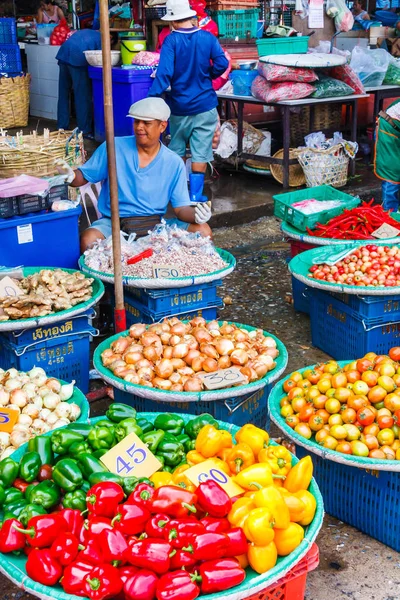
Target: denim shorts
x=195 y=130
x=104 y=225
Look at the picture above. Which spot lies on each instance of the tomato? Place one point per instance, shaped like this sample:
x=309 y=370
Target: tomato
x=313 y=392
x=332 y=406
x=353 y=433
x=316 y=423
x=329 y=442
x=363 y=364
x=303 y=430
x=377 y=454
x=292 y=421
x=370 y=441
x=298 y=404
x=379 y=405
x=386 y=370
x=306 y=413
x=342 y=394
x=360 y=388
x=353 y=376
x=383 y=412
x=358 y=402
x=331 y=393
x=376 y=394
x=296 y=376
x=398 y=454
x=396 y=431
x=319 y=401
x=385 y=437
x=372 y=429
x=370 y=378
x=396 y=379
x=296 y=392
x=392 y=402
x=338 y=432
x=304 y=384
x=321 y=435
x=359 y=449
x=370 y=356
x=344 y=448
x=348 y=415
x=331 y=367
x=389 y=452
x=288 y=385
x=284 y=402
x=351 y=366
x=339 y=380
x=21 y=485
x=394 y=353
x=381 y=358
x=335 y=419
x=286 y=411
x=313 y=377
x=323 y=414
x=386 y=383
x=396 y=445
x=324 y=385
x=365 y=416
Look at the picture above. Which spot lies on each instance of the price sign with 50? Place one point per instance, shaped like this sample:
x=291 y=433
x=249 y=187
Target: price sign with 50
x=131 y=457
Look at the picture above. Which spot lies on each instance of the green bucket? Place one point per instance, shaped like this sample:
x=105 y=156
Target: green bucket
x=130 y=46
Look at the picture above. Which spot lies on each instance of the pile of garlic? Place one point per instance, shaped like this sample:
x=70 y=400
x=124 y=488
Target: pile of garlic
x=41 y=402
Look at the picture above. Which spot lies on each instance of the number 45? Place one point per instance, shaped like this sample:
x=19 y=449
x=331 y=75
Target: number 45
x=137 y=454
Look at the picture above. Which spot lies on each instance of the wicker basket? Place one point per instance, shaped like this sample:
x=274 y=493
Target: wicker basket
x=296 y=174
x=35 y=154
x=324 y=167
x=14 y=101
x=326 y=116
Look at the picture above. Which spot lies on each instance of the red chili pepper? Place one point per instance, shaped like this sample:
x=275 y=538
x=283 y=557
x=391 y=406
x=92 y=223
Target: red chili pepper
x=177 y=585
x=65 y=548
x=216 y=525
x=151 y=554
x=182 y=559
x=21 y=485
x=103 y=498
x=42 y=567
x=103 y=582
x=113 y=546
x=92 y=552
x=174 y=501
x=220 y=575
x=141 y=586
x=213 y=499
x=155 y=526
x=179 y=533
x=130 y=518
x=73 y=519
x=207 y=544
x=42 y=530
x=74 y=576
x=11 y=539
x=141 y=495
x=237 y=542
x=126 y=573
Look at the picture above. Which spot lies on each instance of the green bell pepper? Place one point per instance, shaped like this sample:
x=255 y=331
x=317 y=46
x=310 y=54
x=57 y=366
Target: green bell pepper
x=62 y=440
x=169 y=422
x=89 y=464
x=9 y=470
x=105 y=423
x=29 y=491
x=171 y=449
x=2 y=495
x=106 y=476
x=29 y=511
x=101 y=438
x=126 y=427
x=162 y=461
x=119 y=412
x=192 y=428
x=29 y=466
x=85 y=487
x=168 y=469
x=81 y=428
x=12 y=495
x=75 y=500
x=188 y=443
x=16 y=507
x=152 y=439
x=67 y=475
x=46 y=494
x=129 y=484
x=145 y=425
x=99 y=453
x=42 y=445
x=78 y=448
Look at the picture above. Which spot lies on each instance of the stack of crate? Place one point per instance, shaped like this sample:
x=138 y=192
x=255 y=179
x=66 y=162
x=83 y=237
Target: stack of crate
x=10 y=54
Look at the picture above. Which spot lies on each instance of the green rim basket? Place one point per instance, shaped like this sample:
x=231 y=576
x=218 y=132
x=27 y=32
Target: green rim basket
x=16 y=325
x=167 y=396
x=13 y=567
x=294 y=234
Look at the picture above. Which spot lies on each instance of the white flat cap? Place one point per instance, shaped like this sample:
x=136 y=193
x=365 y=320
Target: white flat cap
x=150 y=109
x=178 y=10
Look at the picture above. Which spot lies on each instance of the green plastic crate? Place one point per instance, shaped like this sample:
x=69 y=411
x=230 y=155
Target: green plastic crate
x=236 y=23
x=283 y=206
x=285 y=45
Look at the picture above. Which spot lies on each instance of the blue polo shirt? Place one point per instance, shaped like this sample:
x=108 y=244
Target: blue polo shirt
x=141 y=192
x=71 y=52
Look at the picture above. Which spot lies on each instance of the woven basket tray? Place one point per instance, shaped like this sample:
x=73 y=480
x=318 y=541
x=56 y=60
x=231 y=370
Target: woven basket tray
x=324 y=167
x=296 y=174
x=14 y=101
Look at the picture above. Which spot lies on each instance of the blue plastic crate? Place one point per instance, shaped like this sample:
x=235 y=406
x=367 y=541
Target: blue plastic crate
x=191 y=297
x=8 y=31
x=10 y=58
x=344 y=334
x=366 y=499
x=386 y=307
x=301 y=296
x=65 y=357
x=251 y=408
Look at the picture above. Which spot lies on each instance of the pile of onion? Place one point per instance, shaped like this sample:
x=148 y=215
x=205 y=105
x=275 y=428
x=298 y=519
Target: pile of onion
x=172 y=355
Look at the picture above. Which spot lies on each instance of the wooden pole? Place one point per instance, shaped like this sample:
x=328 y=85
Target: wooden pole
x=119 y=315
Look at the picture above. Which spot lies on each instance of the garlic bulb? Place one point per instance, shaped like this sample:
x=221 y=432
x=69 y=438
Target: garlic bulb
x=67 y=391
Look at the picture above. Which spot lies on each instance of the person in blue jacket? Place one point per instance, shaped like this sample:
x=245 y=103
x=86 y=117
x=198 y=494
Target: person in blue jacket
x=190 y=59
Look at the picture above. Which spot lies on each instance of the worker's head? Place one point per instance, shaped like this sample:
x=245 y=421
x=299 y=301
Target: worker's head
x=179 y=14
x=358 y=6
x=46 y=4
x=151 y=119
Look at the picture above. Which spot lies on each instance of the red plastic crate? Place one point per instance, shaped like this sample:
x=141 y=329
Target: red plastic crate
x=293 y=585
x=297 y=247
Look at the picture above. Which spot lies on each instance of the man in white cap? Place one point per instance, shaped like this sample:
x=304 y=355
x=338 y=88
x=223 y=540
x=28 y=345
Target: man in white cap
x=150 y=176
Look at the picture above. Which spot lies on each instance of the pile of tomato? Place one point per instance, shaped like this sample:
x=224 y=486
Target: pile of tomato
x=353 y=409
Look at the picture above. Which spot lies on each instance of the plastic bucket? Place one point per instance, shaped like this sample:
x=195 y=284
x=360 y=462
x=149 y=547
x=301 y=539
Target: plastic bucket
x=129 y=48
x=260 y=28
x=242 y=81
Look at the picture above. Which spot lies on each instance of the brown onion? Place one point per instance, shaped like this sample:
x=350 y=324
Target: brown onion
x=164 y=368
x=202 y=335
x=145 y=373
x=179 y=329
x=267 y=360
x=53 y=384
x=155 y=328
x=215 y=333
x=197 y=363
x=152 y=353
x=209 y=350
x=131 y=358
x=108 y=361
x=165 y=326
x=212 y=325
x=175 y=378
x=190 y=356
x=180 y=350
x=240 y=336
x=198 y=322
x=173 y=321
x=186 y=371
x=143 y=363
x=178 y=363
x=165 y=337
x=191 y=341
x=268 y=342
x=210 y=365
x=224 y=362
x=167 y=352
x=176 y=387
x=134 y=348
x=117 y=363
x=145 y=382
x=120 y=345
x=194 y=384
x=106 y=353
x=174 y=340
x=224 y=346
x=136 y=330
x=121 y=371
x=250 y=373
x=149 y=338
x=273 y=352
x=260 y=368
x=239 y=357
x=184 y=379
x=162 y=384
x=226 y=329
x=132 y=377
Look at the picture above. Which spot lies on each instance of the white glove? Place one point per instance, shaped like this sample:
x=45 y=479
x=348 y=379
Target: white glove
x=65 y=170
x=202 y=212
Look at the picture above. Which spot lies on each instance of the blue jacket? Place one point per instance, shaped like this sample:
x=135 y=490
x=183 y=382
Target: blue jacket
x=71 y=51
x=190 y=60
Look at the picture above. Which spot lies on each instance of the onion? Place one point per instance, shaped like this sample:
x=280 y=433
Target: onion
x=110 y=359
x=191 y=341
x=132 y=377
x=174 y=340
x=63 y=410
x=19 y=398
x=12 y=384
x=186 y=371
x=67 y=391
x=4 y=397
x=7 y=452
x=224 y=346
x=12 y=373
x=267 y=360
x=212 y=325
x=194 y=384
x=36 y=371
x=145 y=373
x=180 y=350
x=179 y=329
x=176 y=387
x=155 y=328
x=137 y=330
x=250 y=373
x=131 y=358
x=29 y=389
x=164 y=368
x=51 y=400
x=120 y=345
x=117 y=363
x=74 y=411
x=197 y=363
x=37 y=401
x=57 y=424
x=239 y=357
x=175 y=378
x=210 y=365
x=4 y=440
x=273 y=352
x=54 y=385
x=209 y=350
x=144 y=363
x=190 y=356
x=202 y=335
x=24 y=419
x=148 y=339
x=260 y=368
x=224 y=362
x=121 y=371
x=226 y=329
x=45 y=413
x=168 y=350
x=19 y=437
x=178 y=363
x=106 y=353
x=198 y=322
x=165 y=337
x=51 y=419
x=215 y=333
x=268 y=342
x=39 y=380
x=135 y=348
x=240 y=336
x=152 y=353
x=162 y=384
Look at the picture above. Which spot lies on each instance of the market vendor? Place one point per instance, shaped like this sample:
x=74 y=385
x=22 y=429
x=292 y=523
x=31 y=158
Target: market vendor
x=150 y=176
x=387 y=152
x=49 y=12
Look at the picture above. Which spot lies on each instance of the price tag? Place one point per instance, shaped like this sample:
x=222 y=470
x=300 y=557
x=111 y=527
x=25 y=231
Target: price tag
x=386 y=231
x=25 y=234
x=131 y=457
x=165 y=272
x=8 y=287
x=209 y=469
x=8 y=418
x=223 y=378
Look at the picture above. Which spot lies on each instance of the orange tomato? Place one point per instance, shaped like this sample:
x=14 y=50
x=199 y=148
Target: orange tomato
x=286 y=411
x=306 y=413
x=381 y=358
x=383 y=412
x=335 y=419
x=339 y=380
x=324 y=385
x=376 y=394
x=313 y=377
x=313 y=392
x=353 y=433
x=386 y=370
x=319 y=401
x=365 y=416
x=329 y=442
x=370 y=441
x=392 y=402
x=396 y=379
x=316 y=423
x=370 y=378
x=363 y=364
x=385 y=437
x=321 y=435
x=353 y=376
x=292 y=421
x=349 y=415
x=372 y=429
x=298 y=404
x=386 y=383
x=394 y=353
x=323 y=414
x=360 y=388
x=396 y=445
x=357 y=402
x=284 y=401
x=389 y=452
x=331 y=393
x=342 y=394
x=344 y=448
x=332 y=406
x=377 y=454
x=304 y=430
x=288 y=385
x=370 y=356
x=359 y=449
x=295 y=392
x=304 y=384
x=338 y=432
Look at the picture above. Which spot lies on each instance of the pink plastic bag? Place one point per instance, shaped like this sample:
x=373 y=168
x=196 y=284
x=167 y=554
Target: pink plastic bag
x=220 y=81
x=348 y=75
x=279 y=73
x=260 y=88
x=149 y=59
x=289 y=91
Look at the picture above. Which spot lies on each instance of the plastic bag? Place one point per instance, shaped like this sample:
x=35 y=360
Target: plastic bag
x=370 y=65
x=341 y=15
x=392 y=76
x=278 y=73
x=347 y=74
x=252 y=139
x=289 y=91
x=149 y=59
x=260 y=88
x=327 y=87
x=60 y=33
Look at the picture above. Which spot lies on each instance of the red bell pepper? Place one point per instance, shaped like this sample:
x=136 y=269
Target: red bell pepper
x=213 y=524
x=11 y=539
x=65 y=548
x=219 y=575
x=42 y=567
x=114 y=547
x=152 y=554
x=207 y=544
x=173 y=501
x=103 y=498
x=74 y=521
x=177 y=585
x=155 y=526
x=130 y=518
x=179 y=533
x=103 y=582
x=74 y=575
x=126 y=573
x=21 y=484
x=182 y=559
x=141 y=586
x=213 y=499
x=237 y=543
x=91 y=553
x=95 y=525
x=141 y=495
x=42 y=530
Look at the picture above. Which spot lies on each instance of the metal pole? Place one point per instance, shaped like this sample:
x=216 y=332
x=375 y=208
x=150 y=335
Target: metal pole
x=119 y=315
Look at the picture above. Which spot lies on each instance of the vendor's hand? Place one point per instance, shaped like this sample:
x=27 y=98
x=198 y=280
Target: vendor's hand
x=64 y=169
x=202 y=212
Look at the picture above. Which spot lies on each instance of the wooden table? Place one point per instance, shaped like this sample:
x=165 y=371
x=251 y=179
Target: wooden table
x=285 y=106
x=380 y=93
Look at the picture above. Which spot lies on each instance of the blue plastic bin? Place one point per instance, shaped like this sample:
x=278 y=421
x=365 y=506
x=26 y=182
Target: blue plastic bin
x=129 y=86
x=50 y=239
x=385 y=307
x=301 y=296
x=8 y=31
x=242 y=80
x=10 y=58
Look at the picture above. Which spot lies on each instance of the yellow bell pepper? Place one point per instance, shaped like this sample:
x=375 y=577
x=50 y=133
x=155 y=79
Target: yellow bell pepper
x=179 y=478
x=259 y=526
x=249 y=494
x=270 y=498
x=287 y=540
x=262 y=558
x=278 y=457
x=243 y=560
x=223 y=454
x=194 y=458
x=255 y=437
x=295 y=505
x=210 y=441
x=222 y=465
x=240 y=457
x=256 y=476
x=299 y=477
x=310 y=504
x=240 y=511
x=161 y=478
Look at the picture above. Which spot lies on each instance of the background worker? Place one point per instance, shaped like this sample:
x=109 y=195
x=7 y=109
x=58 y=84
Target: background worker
x=49 y=12
x=387 y=153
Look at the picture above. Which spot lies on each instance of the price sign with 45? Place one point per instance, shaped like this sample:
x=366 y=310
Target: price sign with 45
x=131 y=457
